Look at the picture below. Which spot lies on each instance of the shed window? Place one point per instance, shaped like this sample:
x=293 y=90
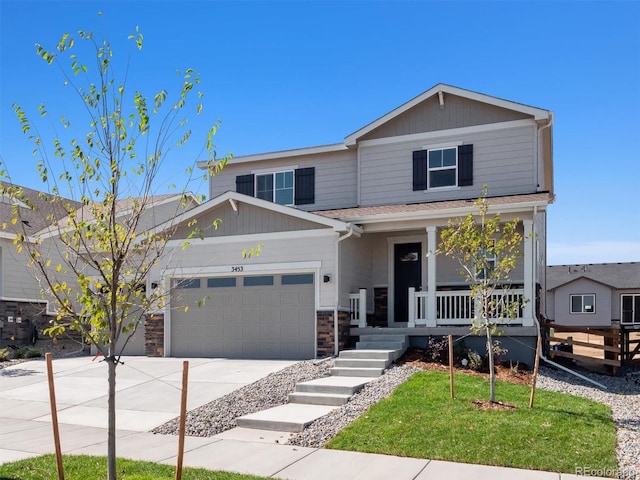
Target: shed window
x=585 y=303
x=630 y=309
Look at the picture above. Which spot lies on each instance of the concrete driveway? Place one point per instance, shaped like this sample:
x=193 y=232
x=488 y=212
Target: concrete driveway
x=148 y=394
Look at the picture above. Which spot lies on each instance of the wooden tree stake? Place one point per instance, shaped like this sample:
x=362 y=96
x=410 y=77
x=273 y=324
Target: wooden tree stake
x=183 y=418
x=535 y=371
x=451 y=365
x=54 y=416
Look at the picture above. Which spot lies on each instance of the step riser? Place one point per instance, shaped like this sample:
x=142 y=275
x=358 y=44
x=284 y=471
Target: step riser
x=383 y=338
x=357 y=372
x=361 y=363
x=366 y=354
x=380 y=346
x=318 y=399
x=272 y=425
x=336 y=390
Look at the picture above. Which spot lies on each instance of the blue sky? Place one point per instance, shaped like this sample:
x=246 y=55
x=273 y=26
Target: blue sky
x=283 y=75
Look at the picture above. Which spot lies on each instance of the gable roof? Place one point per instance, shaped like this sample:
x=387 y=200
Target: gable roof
x=615 y=275
x=123 y=207
x=441 y=88
x=234 y=197
x=35 y=218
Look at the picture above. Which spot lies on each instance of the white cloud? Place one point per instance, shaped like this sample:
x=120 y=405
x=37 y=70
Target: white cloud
x=593 y=252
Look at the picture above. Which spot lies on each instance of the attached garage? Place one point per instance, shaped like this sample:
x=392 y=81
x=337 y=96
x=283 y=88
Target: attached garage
x=269 y=315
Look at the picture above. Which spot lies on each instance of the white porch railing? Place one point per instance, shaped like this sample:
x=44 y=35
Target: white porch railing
x=358 y=308
x=456 y=307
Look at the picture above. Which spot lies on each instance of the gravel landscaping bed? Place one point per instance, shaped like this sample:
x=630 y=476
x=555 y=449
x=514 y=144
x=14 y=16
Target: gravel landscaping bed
x=273 y=390
x=324 y=428
x=622 y=395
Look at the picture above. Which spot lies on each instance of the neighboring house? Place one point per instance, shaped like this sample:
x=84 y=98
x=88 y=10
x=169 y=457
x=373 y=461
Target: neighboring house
x=22 y=302
x=347 y=233
x=594 y=295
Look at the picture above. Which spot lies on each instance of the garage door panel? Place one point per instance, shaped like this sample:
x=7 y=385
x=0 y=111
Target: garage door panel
x=258 y=321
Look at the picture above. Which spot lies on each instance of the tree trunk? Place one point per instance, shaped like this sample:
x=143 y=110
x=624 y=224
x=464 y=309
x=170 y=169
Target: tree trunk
x=492 y=373
x=111 y=435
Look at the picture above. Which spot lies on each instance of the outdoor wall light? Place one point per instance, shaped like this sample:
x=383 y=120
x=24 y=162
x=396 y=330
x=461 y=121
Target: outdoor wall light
x=326 y=278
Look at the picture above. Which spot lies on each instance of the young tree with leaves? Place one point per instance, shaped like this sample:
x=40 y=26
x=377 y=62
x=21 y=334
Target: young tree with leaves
x=94 y=260
x=487 y=249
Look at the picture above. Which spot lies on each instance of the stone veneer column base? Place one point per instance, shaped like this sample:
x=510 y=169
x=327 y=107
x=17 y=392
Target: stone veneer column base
x=154 y=335
x=326 y=334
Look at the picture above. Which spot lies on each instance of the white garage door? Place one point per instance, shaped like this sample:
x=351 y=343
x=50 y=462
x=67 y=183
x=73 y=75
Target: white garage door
x=260 y=316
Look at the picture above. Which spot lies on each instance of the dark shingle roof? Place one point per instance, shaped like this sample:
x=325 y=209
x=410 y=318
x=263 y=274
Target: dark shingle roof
x=616 y=275
x=35 y=218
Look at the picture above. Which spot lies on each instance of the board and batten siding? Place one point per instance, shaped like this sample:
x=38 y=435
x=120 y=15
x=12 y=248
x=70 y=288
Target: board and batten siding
x=335 y=177
x=248 y=220
x=356 y=263
x=503 y=159
x=200 y=258
x=456 y=112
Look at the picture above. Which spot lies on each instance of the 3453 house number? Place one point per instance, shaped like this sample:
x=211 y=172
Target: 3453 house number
x=237 y=269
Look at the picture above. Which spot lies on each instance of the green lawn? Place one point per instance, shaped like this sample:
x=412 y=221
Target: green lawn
x=420 y=420
x=82 y=467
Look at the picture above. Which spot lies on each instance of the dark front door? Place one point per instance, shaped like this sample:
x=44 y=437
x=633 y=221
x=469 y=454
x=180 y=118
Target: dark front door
x=407 y=273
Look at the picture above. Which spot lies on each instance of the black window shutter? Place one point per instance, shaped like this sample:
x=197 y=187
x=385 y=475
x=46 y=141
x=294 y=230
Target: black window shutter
x=419 y=170
x=465 y=165
x=305 y=186
x=244 y=184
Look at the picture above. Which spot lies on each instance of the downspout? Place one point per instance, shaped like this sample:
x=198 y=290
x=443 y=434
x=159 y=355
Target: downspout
x=537 y=322
x=539 y=147
x=337 y=288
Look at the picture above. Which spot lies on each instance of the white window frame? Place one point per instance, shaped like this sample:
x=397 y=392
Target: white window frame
x=492 y=261
x=583 y=311
x=633 y=309
x=274 y=190
x=440 y=169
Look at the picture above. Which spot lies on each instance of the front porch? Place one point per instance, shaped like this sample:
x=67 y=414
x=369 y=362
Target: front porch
x=448 y=309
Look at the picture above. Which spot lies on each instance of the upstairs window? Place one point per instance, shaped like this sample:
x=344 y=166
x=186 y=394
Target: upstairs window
x=286 y=187
x=276 y=187
x=442 y=167
x=585 y=303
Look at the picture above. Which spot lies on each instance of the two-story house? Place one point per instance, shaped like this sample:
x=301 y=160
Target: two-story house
x=343 y=237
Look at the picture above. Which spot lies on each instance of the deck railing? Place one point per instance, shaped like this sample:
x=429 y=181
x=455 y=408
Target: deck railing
x=458 y=307
x=358 y=308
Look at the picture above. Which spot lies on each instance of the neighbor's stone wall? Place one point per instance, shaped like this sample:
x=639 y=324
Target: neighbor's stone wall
x=326 y=335
x=154 y=335
x=30 y=314
x=380 y=306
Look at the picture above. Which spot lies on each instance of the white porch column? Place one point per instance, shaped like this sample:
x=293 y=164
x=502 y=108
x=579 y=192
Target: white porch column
x=431 y=276
x=529 y=272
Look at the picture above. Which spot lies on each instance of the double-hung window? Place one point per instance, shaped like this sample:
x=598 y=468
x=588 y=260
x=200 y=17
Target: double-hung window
x=276 y=187
x=442 y=167
x=487 y=261
x=584 y=303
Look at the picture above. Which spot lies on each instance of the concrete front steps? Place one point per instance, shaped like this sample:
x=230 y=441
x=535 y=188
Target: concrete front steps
x=315 y=398
x=385 y=341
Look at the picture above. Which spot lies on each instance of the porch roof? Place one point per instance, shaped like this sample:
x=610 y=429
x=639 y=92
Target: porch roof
x=441 y=209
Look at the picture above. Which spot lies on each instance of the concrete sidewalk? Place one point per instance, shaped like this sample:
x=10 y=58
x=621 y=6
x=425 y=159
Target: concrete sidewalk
x=149 y=395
